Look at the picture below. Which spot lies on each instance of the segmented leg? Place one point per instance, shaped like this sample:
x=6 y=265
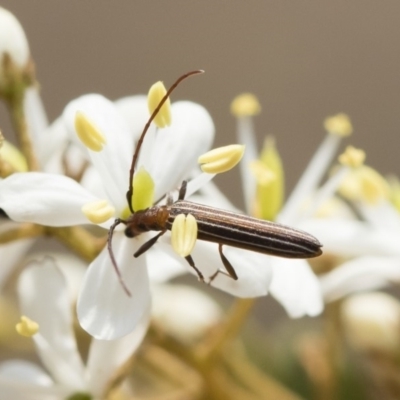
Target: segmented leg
x=189 y=259
x=145 y=246
x=230 y=272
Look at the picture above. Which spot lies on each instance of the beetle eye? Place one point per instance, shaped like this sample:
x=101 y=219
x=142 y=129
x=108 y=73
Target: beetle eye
x=129 y=232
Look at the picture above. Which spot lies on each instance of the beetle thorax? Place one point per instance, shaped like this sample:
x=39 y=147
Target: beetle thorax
x=150 y=219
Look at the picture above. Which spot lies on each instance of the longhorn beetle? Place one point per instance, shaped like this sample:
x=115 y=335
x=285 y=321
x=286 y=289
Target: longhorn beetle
x=214 y=225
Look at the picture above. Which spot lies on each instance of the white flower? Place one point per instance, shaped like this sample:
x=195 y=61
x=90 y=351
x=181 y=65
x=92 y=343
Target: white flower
x=370 y=248
x=169 y=156
x=43 y=296
x=56 y=200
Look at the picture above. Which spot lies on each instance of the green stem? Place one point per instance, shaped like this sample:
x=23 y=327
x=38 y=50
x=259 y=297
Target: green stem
x=16 y=105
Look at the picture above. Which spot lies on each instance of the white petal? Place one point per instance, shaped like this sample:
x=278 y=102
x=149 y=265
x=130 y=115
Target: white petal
x=135 y=112
x=296 y=287
x=163 y=263
x=47 y=199
x=210 y=195
x=72 y=268
x=177 y=147
x=382 y=215
x=106 y=356
x=310 y=179
x=104 y=309
x=253 y=271
x=113 y=162
x=44 y=298
x=363 y=273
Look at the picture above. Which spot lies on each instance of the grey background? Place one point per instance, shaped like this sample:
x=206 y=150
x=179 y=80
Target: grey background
x=303 y=59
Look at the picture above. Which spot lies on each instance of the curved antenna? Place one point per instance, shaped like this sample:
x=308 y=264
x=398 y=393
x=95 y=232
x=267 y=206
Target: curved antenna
x=111 y=253
x=129 y=193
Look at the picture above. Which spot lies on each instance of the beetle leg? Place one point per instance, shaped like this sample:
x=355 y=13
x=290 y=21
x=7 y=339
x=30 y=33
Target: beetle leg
x=189 y=259
x=182 y=190
x=145 y=246
x=230 y=271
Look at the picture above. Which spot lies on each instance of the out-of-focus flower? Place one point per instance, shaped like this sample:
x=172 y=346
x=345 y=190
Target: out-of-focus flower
x=184 y=312
x=371 y=322
x=294 y=284
x=367 y=243
x=44 y=299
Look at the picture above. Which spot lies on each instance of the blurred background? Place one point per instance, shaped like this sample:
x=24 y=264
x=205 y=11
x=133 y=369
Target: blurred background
x=304 y=60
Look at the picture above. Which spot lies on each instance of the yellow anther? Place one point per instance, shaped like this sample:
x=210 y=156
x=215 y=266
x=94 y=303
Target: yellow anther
x=98 y=211
x=365 y=184
x=143 y=190
x=156 y=93
x=88 y=133
x=184 y=234
x=26 y=327
x=352 y=157
x=245 y=105
x=10 y=154
x=264 y=176
x=339 y=125
x=221 y=159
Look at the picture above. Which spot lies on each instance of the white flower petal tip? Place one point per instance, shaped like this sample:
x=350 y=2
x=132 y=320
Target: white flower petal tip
x=245 y=105
x=27 y=327
x=221 y=159
x=339 y=125
x=184 y=234
x=13 y=41
x=371 y=322
x=156 y=94
x=104 y=309
x=98 y=211
x=352 y=157
x=88 y=133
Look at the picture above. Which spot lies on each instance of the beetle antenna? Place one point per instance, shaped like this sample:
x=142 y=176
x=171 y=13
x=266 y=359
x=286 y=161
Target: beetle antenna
x=111 y=253
x=129 y=193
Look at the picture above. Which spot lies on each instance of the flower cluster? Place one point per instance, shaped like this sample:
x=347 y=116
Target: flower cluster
x=91 y=178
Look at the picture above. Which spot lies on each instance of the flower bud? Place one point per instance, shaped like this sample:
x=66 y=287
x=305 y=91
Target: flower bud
x=14 y=48
x=372 y=322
